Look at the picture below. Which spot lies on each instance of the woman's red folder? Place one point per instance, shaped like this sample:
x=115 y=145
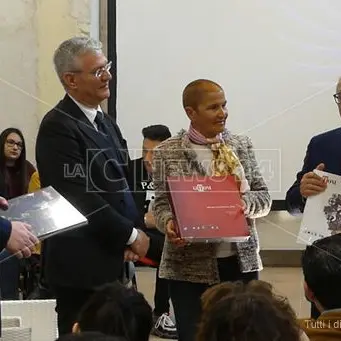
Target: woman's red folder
x=207 y=209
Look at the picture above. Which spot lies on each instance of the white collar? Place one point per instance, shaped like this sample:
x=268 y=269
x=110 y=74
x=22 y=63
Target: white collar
x=90 y=113
x=336 y=310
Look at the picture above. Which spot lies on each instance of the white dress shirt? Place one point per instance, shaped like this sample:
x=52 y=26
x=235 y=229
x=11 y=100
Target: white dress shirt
x=91 y=113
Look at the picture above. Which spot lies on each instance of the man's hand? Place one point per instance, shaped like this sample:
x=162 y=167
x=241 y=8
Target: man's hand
x=173 y=236
x=129 y=255
x=149 y=220
x=141 y=244
x=3 y=204
x=21 y=241
x=312 y=184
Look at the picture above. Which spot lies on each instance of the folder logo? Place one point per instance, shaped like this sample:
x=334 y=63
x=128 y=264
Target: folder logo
x=201 y=188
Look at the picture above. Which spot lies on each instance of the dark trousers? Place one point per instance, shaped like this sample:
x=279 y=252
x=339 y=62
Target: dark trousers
x=10 y=274
x=161 y=295
x=69 y=302
x=186 y=296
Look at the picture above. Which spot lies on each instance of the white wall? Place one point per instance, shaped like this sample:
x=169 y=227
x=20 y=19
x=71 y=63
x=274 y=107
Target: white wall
x=278 y=231
x=30 y=31
x=278 y=61
x=18 y=60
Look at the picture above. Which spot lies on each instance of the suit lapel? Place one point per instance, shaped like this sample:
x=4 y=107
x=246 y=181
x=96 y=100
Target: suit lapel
x=119 y=142
x=98 y=142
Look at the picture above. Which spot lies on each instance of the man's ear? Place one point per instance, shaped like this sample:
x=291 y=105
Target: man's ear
x=308 y=293
x=69 y=79
x=191 y=113
x=75 y=328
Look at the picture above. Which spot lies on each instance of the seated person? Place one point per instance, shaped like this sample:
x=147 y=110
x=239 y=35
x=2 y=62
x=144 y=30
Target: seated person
x=248 y=312
x=143 y=190
x=321 y=263
x=90 y=336
x=15 y=174
x=116 y=310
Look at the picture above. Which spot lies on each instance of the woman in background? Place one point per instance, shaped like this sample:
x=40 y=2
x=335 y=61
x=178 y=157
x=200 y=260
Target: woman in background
x=15 y=174
x=15 y=170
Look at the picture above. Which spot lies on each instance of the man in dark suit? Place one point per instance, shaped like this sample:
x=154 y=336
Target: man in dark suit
x=141 y=183
x=323 y=153
x=81 y=153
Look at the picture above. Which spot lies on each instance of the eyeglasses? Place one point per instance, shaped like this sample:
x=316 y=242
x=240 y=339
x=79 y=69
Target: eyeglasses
x=99 y=72
x=337 y=98
x=12 y=143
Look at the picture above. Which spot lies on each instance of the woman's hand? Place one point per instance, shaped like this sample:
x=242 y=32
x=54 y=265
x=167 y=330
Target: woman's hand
x=173 y=236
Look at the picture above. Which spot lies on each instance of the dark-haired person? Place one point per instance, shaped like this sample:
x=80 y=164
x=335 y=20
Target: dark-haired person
x=141 y=183
x=116 y=310
x=238 y=311
x=15 y=169
x=321 y=264
x=15 y=174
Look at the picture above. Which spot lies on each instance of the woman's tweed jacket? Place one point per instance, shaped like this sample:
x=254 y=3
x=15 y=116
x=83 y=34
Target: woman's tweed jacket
x=197 y=262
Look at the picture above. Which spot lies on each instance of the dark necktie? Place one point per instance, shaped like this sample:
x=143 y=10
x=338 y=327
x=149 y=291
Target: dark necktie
x=102 y=128
x=131 y=210
x=99 y=120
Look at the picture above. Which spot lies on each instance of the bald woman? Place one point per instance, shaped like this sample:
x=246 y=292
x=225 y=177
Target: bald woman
x=209 y=149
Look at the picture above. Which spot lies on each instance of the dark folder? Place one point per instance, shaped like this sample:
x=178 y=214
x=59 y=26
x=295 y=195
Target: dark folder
x=47 y=211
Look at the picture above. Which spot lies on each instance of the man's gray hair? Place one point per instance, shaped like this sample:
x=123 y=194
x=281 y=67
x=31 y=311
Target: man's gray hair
x=65 y=56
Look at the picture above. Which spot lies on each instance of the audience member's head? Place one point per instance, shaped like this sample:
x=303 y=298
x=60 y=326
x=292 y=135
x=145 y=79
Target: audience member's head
x=117 y=310
x=205 y=104
x=152 y=136
x=246 y=312
x=83 y=70
x=12 y=147
x=321 y=263
x=90 y=336
x=13 y=158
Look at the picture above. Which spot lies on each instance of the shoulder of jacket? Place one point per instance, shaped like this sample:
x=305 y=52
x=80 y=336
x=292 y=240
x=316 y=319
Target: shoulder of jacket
x=57 y=117
x=53 y=114
x=238 y=140
x=327 y=135
x=172 y=142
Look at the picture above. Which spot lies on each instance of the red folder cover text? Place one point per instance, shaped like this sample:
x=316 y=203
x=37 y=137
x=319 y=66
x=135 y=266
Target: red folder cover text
x=207 y=209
